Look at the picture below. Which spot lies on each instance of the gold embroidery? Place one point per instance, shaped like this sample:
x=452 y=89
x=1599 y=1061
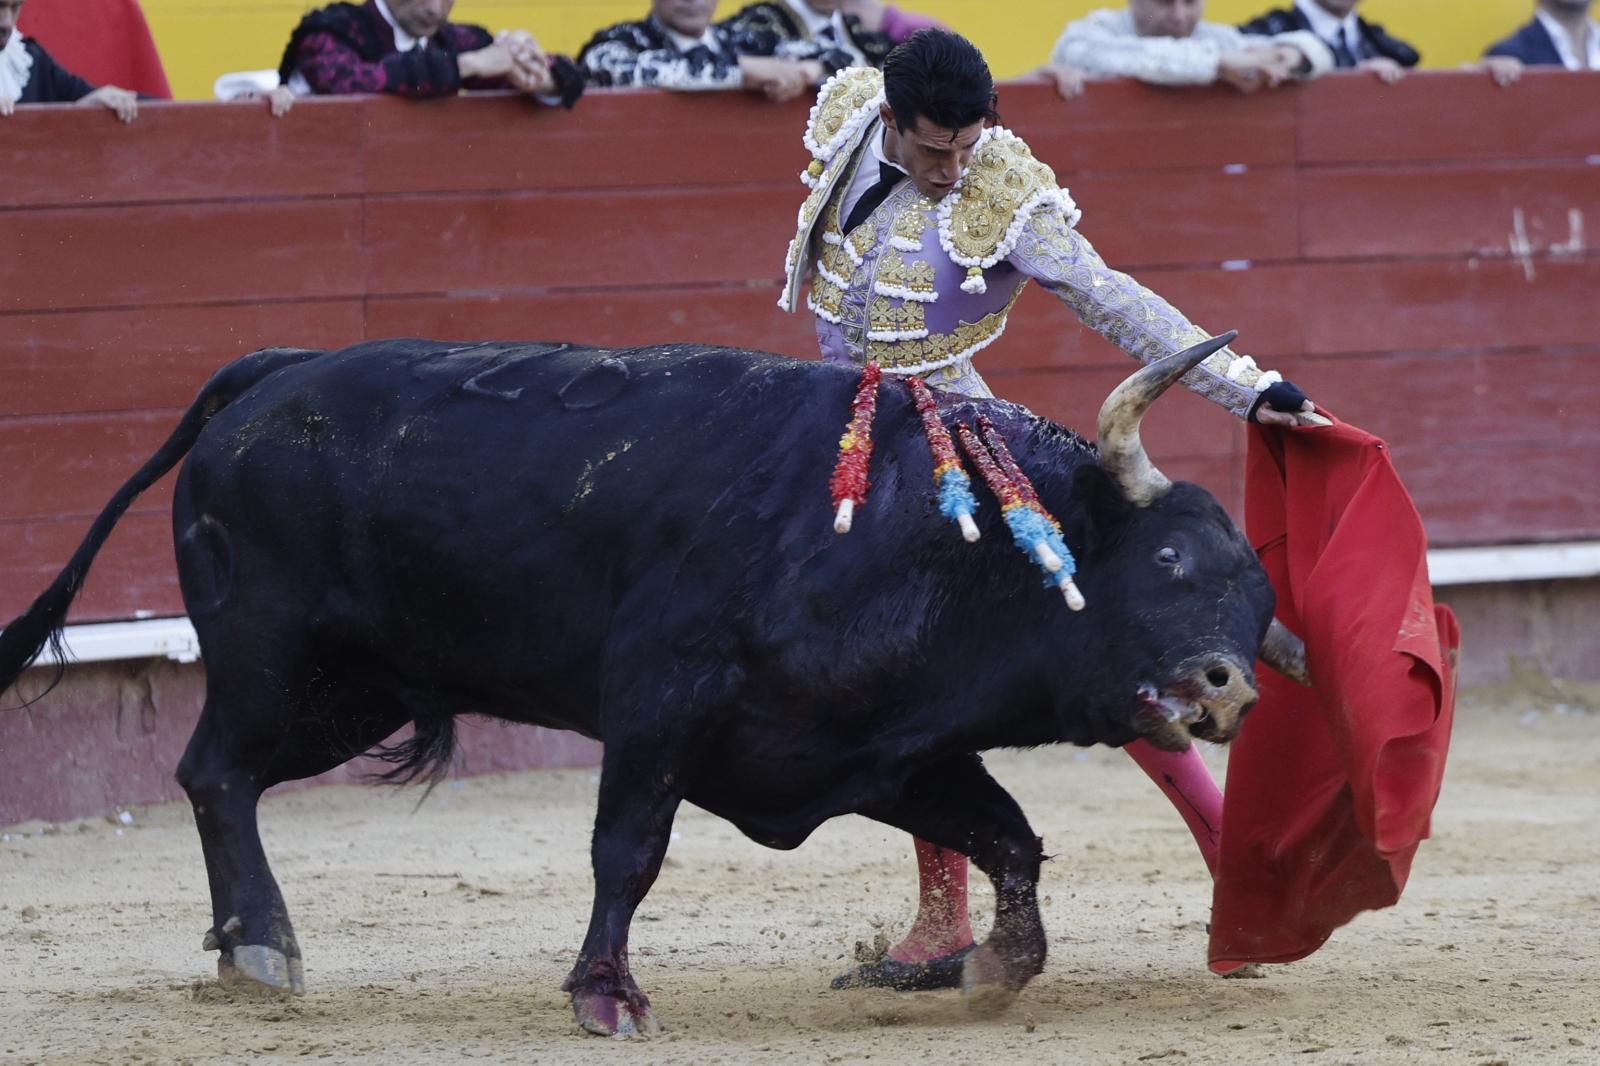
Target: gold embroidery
x=827 y=298
x=1000 y=180
x=910 y=223
x=895 y=272
x=849 y=91
x=943 y=348
x=895 y=316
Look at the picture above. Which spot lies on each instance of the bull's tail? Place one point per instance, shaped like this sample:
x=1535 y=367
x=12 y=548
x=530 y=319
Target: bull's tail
x=25 y=637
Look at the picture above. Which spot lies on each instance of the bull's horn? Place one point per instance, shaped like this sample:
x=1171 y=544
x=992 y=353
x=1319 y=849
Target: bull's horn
x=1122 y=453
x=1285 y=653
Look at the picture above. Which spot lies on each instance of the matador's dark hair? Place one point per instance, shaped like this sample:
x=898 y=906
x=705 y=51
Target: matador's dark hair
x=939 y=76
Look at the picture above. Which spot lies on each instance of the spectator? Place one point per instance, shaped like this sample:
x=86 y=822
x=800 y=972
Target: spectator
x=678 y=47
x=409 y=48
x=1562 y=33
x=29 y=76
x=848 y=32
x=1166 y=43
x=1354 y=42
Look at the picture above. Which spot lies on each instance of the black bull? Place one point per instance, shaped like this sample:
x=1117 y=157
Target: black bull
x=637 y=545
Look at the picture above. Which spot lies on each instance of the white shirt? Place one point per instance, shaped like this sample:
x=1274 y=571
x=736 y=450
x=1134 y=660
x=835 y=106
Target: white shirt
x=1567 y=47
x=16 y=67
x=403 y=41
x=829 y=28
x=1330 y=27
x=1106 y=44
x=866 y=174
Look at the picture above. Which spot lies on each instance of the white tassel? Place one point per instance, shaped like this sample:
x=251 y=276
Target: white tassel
x=847 y=511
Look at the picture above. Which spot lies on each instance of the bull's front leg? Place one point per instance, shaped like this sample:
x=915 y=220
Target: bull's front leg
x=633 y=822
x=957 y=805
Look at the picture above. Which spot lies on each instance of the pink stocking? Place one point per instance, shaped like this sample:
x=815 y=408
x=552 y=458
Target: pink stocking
x=941 y=925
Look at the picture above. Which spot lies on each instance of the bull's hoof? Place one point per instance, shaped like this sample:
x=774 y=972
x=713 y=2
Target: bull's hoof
x=258 y=967
x=941 y=971
x=607 y=1015
x=987 y=983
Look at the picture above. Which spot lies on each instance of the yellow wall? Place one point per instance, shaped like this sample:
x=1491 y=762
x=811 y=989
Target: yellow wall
x=200 y=39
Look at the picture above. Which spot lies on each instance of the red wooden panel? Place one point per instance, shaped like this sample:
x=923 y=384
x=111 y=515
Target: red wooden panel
x=181 y=152
x=1422 y=306
x=71 y=465
x=1353 y=118
x=737 y=317
x=1125 y=125
x=620 y=139
x=1475 y=399
x=59 y=258
x=133 y=573
x=1258 y=302
x=1168 y=218
x=1470 y=494
x=127 y=360
x=570 y=240
x=1488 y=211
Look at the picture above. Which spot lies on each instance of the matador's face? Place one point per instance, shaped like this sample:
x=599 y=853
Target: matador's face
x=935 y=157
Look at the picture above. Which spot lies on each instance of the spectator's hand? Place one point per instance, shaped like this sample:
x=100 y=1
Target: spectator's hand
x=1282 y=404
x=280 y=100
x=779 y=79
x=1505 y=70
x=121 y=102
x=7 y=105
x=1242 y=70
x=534 y=78
x=523 y=48
x=490 y=61
x=1069 y=80
x=1387 y=70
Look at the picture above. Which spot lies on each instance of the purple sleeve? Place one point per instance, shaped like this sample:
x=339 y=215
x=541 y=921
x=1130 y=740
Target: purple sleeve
x=899 y=25
x=332 y=67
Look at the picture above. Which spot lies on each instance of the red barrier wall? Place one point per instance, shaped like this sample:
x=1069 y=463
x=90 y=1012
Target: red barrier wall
x=1414 y=255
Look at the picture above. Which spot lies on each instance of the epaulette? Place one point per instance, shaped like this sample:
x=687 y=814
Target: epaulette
x=846 y=103
x=984 y=215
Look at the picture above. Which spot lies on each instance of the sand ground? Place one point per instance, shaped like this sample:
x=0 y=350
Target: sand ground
x=441 y=934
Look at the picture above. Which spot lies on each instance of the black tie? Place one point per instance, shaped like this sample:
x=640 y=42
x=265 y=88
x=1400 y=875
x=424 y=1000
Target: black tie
x=888 y=177
x=1343 y=57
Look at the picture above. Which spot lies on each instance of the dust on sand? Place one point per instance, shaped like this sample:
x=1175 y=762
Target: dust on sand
x=442 y=934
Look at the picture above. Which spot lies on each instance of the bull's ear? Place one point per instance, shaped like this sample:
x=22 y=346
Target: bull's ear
x=1099 y=510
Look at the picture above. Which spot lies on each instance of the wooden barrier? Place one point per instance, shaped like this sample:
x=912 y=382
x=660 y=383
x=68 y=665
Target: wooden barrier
x=1414 y=255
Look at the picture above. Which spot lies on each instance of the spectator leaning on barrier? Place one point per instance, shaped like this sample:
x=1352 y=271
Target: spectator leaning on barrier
x=1563 y=33
x=678 y=47
x=29 y=76
x=1166 y=43
x=1354 y=42
x=409 y=48
x=841 y=33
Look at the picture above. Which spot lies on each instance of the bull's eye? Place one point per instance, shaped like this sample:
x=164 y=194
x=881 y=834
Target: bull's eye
x=1167 y=557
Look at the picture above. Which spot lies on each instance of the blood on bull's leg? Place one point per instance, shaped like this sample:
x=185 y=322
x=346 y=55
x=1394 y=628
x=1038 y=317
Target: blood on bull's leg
x=633 y=823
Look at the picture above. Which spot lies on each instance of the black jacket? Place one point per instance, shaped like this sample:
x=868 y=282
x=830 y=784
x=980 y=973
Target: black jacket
x=1374 y=41
x=49 y=82
x=1531 y=44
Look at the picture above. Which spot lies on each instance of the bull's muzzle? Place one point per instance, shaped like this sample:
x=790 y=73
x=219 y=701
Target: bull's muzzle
x=1207 y=700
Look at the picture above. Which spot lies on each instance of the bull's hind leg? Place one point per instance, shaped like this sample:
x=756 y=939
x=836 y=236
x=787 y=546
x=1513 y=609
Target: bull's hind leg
x=632 y=825
x=246 y=742
x=957 y=805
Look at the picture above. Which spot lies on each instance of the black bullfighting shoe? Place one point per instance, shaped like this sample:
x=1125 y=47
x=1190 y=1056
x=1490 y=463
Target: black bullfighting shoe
x=941 y=971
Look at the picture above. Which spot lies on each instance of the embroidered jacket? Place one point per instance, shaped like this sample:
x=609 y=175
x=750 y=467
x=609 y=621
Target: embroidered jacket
x=774 y=28
x=1374 y=41
x=644 y=53
x=1105 y=44
x=345 y=48
x=920 y=288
